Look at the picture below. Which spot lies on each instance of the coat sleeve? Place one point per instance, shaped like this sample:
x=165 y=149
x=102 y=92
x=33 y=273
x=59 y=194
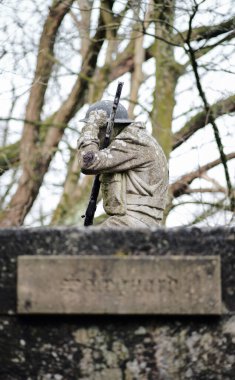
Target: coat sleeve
x=121 y=155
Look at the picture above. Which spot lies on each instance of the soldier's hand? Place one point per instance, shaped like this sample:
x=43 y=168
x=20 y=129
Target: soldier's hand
x=98 y=118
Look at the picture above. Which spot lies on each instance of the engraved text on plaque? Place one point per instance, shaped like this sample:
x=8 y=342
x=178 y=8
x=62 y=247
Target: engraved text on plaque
x=119 y=285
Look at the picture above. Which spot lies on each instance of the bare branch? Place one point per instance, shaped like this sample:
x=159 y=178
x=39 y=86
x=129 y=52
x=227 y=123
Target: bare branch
x=8 y=188
x=137 y=74
x=206 y=32
x=9 y=157
x=205 y=190
x=181 y=186
x=41 y=77
x=201 y=119
x=211 y=118
x=213 y=31
x=83 y=26
x=211 y=210
x=74 y=196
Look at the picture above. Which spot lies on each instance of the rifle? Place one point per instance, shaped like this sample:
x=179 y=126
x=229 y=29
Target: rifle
x=91 y=208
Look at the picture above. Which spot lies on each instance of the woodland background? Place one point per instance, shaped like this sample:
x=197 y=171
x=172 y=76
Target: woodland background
x=177 y=59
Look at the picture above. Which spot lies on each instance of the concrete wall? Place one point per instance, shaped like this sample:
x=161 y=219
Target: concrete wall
x=116 y=347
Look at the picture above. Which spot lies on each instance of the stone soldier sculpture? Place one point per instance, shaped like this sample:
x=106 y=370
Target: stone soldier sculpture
x=133 y=168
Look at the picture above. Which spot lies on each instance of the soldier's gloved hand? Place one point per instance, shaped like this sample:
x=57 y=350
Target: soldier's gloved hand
x=98 y=118
x=92 y=132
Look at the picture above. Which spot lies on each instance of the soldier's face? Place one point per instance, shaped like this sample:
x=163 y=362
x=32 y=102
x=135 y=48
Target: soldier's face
x=116 y=130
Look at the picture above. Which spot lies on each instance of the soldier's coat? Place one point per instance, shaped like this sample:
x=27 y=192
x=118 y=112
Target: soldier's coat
x=133 y=174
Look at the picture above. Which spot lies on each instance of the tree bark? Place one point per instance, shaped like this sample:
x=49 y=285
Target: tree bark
x=166 y=76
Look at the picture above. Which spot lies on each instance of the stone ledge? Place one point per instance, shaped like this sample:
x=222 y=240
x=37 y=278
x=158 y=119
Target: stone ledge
x=95 y=241
x=116 y=348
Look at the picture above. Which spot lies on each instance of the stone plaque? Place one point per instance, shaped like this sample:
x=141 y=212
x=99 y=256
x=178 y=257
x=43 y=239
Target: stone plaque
x=119 y=285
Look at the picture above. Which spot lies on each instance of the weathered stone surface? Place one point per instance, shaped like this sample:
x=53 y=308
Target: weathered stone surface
x=79 y=348
x=95 y=241
x=119 y=285
x=123 y=347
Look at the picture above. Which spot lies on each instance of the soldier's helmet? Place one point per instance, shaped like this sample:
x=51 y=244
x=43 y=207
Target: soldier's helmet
x=121 y=116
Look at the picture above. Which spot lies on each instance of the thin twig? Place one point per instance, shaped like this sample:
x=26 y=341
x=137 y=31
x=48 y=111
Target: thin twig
x=207 y=107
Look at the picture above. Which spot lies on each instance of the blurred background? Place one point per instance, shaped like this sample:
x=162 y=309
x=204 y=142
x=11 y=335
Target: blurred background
x=177 y=60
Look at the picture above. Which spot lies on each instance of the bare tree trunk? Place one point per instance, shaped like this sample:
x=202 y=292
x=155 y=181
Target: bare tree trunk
x=75 y=195
x=39 y=157
x=167 y=72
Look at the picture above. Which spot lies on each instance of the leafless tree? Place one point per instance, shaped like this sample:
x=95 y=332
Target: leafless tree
x=56 y=57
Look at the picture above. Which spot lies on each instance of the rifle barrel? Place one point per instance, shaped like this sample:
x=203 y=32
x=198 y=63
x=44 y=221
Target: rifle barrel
x=91 y=208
